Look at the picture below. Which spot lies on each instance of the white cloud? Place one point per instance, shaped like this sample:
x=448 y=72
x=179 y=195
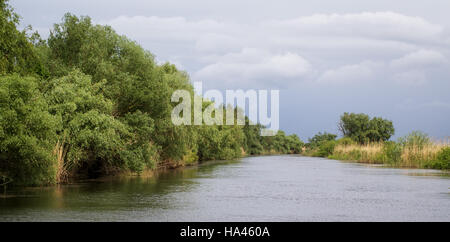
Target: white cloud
x=350 y=74
x=254 y=68
x=343 y=44
x=412 y=69
x=378 y=25
x=419 y=59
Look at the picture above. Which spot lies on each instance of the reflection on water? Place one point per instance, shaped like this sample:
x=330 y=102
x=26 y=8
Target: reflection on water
x=429 y=173
x=270 y=188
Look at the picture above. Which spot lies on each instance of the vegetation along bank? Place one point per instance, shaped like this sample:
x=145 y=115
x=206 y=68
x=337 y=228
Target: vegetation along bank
x=88 y=102
x=366 y=140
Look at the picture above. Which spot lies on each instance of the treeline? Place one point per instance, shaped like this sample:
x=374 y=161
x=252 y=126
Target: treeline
x=366 y=140
x=89 y=102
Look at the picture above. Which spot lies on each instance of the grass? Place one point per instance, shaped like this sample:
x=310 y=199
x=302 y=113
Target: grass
x=411 y=155
x=370 y=153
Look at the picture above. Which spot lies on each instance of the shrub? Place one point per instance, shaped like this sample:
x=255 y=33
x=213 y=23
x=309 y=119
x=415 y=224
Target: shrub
x=415 y=139
x=442 y=161
x=27 y=133
x=346 y=141
x=392 y=152
x=325 y=149
x=319 y=138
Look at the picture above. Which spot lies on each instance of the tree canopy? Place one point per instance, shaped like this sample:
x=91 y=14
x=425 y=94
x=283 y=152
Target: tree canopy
x=320 y=137
x=361 y=128
x=17 y=54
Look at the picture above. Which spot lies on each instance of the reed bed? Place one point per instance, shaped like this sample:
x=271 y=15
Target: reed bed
x=395 y=154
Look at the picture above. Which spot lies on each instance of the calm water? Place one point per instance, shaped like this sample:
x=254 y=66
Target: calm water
x=271 y=188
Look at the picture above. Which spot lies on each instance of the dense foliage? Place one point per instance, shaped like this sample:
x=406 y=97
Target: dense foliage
x=17 y=54
x=362 y=129
x=319 y=138
x=89 y=102
x=27 y=132
x=442 y=160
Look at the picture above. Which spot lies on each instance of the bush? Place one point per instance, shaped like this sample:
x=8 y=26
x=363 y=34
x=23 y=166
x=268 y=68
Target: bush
x=346 y=141
x=326 y=148
x=27 y=133
x=319 y=138
x=393 y=152
x=442 y=161
x=415 y=139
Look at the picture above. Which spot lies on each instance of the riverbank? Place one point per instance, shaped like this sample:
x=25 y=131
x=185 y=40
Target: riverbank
x=160 y=168
x=428 y=156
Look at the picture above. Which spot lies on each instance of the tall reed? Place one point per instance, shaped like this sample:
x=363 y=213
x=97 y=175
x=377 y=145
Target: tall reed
x=60 y=151
x=413 y=155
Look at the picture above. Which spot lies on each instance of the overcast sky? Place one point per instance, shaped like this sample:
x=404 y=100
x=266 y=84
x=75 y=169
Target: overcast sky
x=384 y=58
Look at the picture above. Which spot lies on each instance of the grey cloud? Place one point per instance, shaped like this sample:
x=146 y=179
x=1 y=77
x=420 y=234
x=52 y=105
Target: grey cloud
x=226 y=51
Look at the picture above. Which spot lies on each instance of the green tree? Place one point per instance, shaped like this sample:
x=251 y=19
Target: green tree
x=319 y=138
x=380 y=130
x=362 y=129
x=27 y=132
x=133 y=81
x=91 y=138
x=17 y=53
x=282 y=144
x=252 y=138
x=295 y=144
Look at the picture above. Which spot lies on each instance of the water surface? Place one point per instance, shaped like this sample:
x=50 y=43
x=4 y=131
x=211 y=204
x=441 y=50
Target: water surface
x=268 y=188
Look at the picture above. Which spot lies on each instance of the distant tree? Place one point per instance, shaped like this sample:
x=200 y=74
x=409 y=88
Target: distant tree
x=380 y=129
x=252 y=138
x=295 y=144
x=281 y=143
x=362 y=129
x=319 y=138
